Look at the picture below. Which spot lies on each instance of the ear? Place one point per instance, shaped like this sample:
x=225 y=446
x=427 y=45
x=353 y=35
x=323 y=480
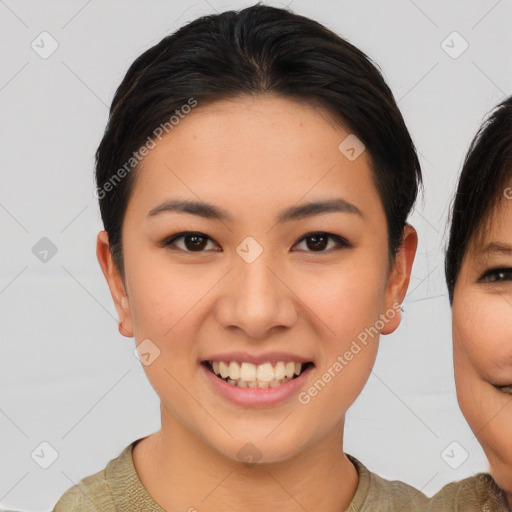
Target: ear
x=399 y=277
x=115 y=283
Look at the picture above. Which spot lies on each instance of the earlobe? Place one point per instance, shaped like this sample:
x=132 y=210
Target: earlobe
x=399 y=278
x=115 y=284
x=125 y=324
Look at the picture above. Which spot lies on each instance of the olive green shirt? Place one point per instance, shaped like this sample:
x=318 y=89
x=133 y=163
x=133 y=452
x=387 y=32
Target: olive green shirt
x=478 y=493
x=117 y=488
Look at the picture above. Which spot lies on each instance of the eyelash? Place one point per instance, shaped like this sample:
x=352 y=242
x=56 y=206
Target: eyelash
x=495 y=273
x=341 y=242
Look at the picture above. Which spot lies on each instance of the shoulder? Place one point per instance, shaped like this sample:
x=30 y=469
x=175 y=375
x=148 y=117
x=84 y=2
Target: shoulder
x=375 y=493
x=93 y=492
x=475 y=493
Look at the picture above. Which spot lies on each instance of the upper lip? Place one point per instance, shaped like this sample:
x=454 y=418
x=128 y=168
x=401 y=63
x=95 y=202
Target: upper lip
x=245 y=357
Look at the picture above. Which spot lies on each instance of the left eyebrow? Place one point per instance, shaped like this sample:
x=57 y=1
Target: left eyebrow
x=317 y=207
x=297 y=212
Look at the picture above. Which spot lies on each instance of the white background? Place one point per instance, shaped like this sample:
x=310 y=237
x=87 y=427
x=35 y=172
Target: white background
x=67 y=376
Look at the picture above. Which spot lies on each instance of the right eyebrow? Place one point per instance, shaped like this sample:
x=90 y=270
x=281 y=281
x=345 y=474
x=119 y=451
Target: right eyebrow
x=206 y=210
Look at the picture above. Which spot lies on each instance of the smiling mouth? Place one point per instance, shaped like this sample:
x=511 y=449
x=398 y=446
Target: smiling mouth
x=248 y=375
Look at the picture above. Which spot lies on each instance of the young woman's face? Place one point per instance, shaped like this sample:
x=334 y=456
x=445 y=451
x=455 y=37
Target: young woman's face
x=260 y=278
x=482 y=336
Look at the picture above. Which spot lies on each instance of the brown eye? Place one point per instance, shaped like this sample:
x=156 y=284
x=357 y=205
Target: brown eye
x=189 y=242
x=195 y=242
x=317 y=242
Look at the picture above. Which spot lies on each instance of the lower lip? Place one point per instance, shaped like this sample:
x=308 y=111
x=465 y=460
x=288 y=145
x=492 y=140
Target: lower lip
x=257 y=397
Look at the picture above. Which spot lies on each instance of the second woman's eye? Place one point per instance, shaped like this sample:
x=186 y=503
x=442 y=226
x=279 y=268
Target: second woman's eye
x=319 y=242
x=497 y=275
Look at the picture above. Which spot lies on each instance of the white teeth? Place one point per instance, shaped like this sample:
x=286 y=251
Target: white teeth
x=248 y=372
x=223 y=369
x=234 y=371
x=248 y=375
x=280 y=371
x=265 y=373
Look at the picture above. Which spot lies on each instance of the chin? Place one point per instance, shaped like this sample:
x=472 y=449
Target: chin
x=253 y=451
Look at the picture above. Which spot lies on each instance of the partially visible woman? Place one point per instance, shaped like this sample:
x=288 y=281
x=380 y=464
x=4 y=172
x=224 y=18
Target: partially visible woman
x=479 y=277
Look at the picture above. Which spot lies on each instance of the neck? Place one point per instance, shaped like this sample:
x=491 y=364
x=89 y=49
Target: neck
x=182 y=472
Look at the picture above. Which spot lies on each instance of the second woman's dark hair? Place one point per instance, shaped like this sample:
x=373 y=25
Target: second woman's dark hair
x=257 y=50
x=486 y=171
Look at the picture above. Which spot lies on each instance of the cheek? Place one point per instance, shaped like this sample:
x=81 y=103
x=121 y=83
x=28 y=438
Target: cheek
x=348 y=295
x=350 y=302
x=156 y=305
x=168 y=306
x=162 y=294
x=482 y=334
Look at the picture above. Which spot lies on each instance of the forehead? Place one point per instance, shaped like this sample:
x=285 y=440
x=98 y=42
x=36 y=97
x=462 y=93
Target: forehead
x=261 y=150
x=261 y=127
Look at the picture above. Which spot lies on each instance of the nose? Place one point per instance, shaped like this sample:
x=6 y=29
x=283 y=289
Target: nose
x=256 y=299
